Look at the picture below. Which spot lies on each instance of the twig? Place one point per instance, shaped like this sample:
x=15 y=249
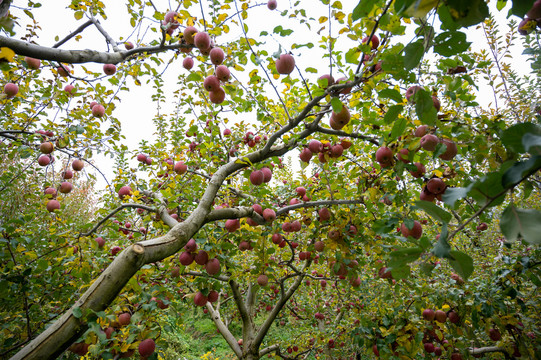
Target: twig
x=77 y=31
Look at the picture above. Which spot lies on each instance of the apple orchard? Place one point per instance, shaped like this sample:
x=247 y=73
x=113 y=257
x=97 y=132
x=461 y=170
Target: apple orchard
x=319 y=179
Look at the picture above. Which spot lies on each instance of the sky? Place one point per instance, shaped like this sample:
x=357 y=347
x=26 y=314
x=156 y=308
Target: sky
x=135 y=109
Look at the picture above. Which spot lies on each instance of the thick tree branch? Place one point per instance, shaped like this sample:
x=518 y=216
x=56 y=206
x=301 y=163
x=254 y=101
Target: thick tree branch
x=222 y=328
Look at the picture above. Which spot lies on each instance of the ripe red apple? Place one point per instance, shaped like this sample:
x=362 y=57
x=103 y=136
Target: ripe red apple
x=263 y=280
x=414 y=232
x=276 y=238
x=32 y=63
x=115 y=250
x=457 y=278
x=70 y=90
x=147 y=347
x=124 y=191
x=11 y=89
x=213 y=266
x=213 y=296
x=319 y=246
x=285 y=64
x=46 y=147
x=429 y=347
x=343 y=81
x=403 y=155
x=421 y=131
x=77 y=165
x=482 y=226
x=257 y=177
x=50 y=191
x=187 y=63
x=436 y=103
x=324 y=214
x=222 y=73
x=535 y=10
x=180 y=168
x=202 y=40
x=436 y=185
x=429 y=142
x=269 y=215
x=65 y=187
x=100 y=241
x=272 y=4
x=420 y=170
x=98 y=110
x=232 y=225
x=216 y=56
x=63 y=70
x=191 y=245
x=315 y=146
x=267 y=174
x=325 y=81
x=128 y=45
x=494 y=334
x=305 y=155
x=44 y=160
x=341 y=118
x=385 y=273
x=440 y=316
x=456 y=356
x=124 y=318
x=429 y=314
x=109 y=69
x=450 y=151
x=52 y=205
x=374 y=41
x=201 y=258
x=189 y=34
x=412 y=90
x=186 y=258
x=211 y=83
x=384 y=156
x=218 y=96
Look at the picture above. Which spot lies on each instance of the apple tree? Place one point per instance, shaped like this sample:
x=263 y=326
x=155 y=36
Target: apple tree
x=330 y=171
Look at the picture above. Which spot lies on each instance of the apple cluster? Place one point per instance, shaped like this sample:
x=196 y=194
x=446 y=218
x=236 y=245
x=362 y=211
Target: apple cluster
x=324 y=150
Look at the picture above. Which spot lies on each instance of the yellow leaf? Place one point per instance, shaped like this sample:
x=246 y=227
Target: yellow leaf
x=78 y=15
x=6 y=53
x=323 y=19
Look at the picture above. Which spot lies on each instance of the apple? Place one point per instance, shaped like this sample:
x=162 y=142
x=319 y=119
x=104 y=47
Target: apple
x=267 y=174
x=276 y=238
x=403 y=155
x=319 y=246
x=216 y=56
x=98 y=110
x=77 y=165
x=450 y=151
x=100 y=241
x=414 y=232
x=32 y=63
x=374 y=41
x=201 y=258
x=201 y=40
x=315 y=146
x=222 y=73
x=482 y=226
x=375 y=350
x=257 y=177
x=115 y=250
x=52 y=205
x=457 y=278
x=213 y=296
x=384 y=156
x=124 y=191
x=218 y=96
x=301 y=191
x=453 y=317
x=180 y=168
x=189 y=34
x=429 y=347
x=272 y=4
x=147 y=347
x=124 y=318
x=436 y=103
x=429 y=142
x=410 y=93
x=343 y=81
x=440 y=316
x=341 y=118
x=456 y=356
x=494 y=334
x=324 y=214
x=213 y=266
x=438 y=351
x=211 y=83
x=109 y=69
x=186 y=258
x=285 y=64
x=11 y=89
x=128 y=45
x=70 y=90
x=244 y=245
x=191 y=245
x=385 y=273
x=46 y=147
x=305 y=155
x=269 y=215
x=429 y=314
x=420 y=170
x=421 y=131
x=263 y=280
x=170 y=19
x=44 y=160
x=187 y=63
x=325 y=81
x=296 y=226
x=63 y=70
x=436 y=185
x=65 y=187
x=50 y=191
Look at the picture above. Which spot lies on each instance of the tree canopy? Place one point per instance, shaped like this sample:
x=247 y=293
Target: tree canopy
x=321 y=179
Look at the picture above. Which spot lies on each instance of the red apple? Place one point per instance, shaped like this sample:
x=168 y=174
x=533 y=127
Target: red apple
x=124 y=191
x=429 y=142
x=222 y=73
x=202 y=40
x=189 y=34
x=216 y=56
x=109 y=69
x=272 y=4
x=52 y=205
x=98 y=110
x=187 y=63
x=32 y=63
x=374 y=42
x=11 y=89
x=414 y=232
x=147 y=347
x=77 y=165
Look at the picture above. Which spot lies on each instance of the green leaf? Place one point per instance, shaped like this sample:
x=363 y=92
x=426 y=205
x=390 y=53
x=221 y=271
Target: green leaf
x=281 y=31
x=402 y=272
x=402 y=257
x=434 y=210
x=520 y=170
x=463 y=13
x=521 y=7
x=336 y=105
x=363 y=8
x=77 y=313
x=512 y=136
x=441 y=248
x=392 y=113
x=516 y=223
x=424 y=107
x=451 y=43
x=391 y=94
x=194 y=76
x=413 y=53
x=452 y=195
x=462 y=263
x=398 y=128
x=532 y=143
